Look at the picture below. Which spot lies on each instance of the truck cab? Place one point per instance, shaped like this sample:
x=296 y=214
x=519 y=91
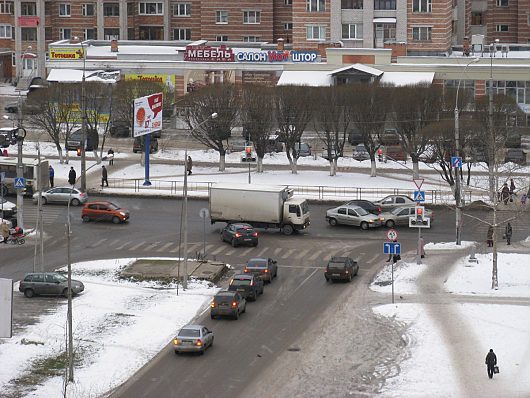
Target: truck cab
x=296 y=215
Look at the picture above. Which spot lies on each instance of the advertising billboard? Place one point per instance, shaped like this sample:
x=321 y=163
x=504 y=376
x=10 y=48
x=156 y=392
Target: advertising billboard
x=67 y=53
x=168 y=80
x=6 y=308
x=148 y=114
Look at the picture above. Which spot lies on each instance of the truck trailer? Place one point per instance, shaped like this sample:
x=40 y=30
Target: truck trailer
x=262 y=206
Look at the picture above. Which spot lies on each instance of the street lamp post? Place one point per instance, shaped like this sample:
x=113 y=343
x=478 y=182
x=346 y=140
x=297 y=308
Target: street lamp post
x=458 y=188
x=491 y=166
x=185 y=205
x=83 y=122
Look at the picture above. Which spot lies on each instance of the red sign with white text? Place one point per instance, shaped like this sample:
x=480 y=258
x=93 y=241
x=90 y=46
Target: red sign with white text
x=148 y=114
x=26 y=21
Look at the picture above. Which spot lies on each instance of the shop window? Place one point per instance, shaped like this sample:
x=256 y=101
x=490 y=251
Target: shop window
x=65 y=10
x=251 y=17
x=28 y=34
x=422 y=33
x=111 y=9
x=351 y=4
x=88 y=9
x=182 y=34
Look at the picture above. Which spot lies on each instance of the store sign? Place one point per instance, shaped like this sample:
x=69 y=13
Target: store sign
x=66 y=53
x=277 y=56
x=148 y=114
x=208 y=54
x=168 y=80
x=28 y=22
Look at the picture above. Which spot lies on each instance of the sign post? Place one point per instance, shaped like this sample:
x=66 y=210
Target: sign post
x=392 y=248
x=204 y=213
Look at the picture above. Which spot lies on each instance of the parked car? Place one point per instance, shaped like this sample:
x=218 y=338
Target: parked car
x=120 y=128
x=104 y=211
x=62 y=195
x=389 y=137
x=392 y=201
x=355 y=137
x=370 y=207
x=401 y=215
x=239 y=234
x=237 y=145
x=48 y=283
x=515 y=155
x=302 y=148
x=138 y=145
x=360 y=153
x=228 y=303
x=76 y=138
x=193 y=338
x=265 y=268
x=274 y=144
x=341 y=268
x=352 y=215
x=395 y=152
x=250 y=286
x=9 y=208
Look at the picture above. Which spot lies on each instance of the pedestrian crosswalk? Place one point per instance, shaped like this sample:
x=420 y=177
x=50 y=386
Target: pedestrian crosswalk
x=50 y=214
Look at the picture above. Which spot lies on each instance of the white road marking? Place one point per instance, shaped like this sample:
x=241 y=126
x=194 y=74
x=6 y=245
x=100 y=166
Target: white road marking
x=219 y=250
x=245 y=252
x=289 y=253
x=135 y=247
x=164 y=247
x=260 y=254
x=301 y=254
x=175 y=249
x=315 y=255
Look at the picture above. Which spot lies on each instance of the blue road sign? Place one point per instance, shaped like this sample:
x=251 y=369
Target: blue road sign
x=392 y=248
x=419 y=196
x=20 y=182
x=456 y=161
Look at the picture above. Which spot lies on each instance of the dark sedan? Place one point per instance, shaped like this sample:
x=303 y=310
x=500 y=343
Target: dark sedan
x=370 y=207
x=265 y=268
x=227 y=303
x=239 y=234
x=343 y=268
x=249 y=286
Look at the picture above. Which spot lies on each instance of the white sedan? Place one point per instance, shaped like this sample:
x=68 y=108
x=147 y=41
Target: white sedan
x=62 y=195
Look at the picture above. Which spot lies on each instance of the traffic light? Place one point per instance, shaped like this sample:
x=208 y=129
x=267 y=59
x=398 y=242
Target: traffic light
x=248 y=153
x=78 y=151
x=419 y=214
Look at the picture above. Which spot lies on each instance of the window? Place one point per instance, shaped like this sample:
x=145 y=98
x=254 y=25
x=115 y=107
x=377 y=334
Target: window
x=501 y=28
x=28 y=34
x=64 y=10
x=288 y=2
x=351 y=4
x=384 y=4
x=90 y=34
x=48 y=33
x=421 y=5
x=342 y=210
x=528 y=19
x=111 y=33
x=5 y=32
x=315 y=5
x=148 y=8
x=111 y=10
x=131 y=8
x=250 y=39
x=151 y=32
x=65 y=33
x=130 y=33
x=421 y=33
x=502 y=3
x=182 y=9
x=221 y=38
x=476 y=18
x=182 y=34
x=252 y=17
x=288 y=26
x=6 y=8
x=28 y=9
x=315 y=32
x=352 y=31
x=221 y=17
x=88 y=10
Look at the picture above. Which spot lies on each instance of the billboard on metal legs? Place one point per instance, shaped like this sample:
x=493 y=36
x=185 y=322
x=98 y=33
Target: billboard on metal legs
x=148 y=114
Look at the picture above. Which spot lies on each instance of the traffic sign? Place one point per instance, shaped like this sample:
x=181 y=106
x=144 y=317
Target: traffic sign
x=419 y=196
x=456 y=161
x=391 y=248
x=391 y=234
x=20 y=182
x=418 y=182
x=203 y=213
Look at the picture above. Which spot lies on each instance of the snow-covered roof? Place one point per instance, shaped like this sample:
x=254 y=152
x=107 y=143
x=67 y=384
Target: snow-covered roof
x=359 y=67
x=76 y=76
x=104 y=51
x=407 y=78
x=305 y=78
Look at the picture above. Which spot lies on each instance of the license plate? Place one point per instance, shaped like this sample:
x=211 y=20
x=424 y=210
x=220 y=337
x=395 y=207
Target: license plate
x=248 y=239
x=223 y=305
x=240 y=290
x=335 y=274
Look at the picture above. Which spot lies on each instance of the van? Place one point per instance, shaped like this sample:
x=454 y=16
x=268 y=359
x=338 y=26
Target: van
x=138 y=145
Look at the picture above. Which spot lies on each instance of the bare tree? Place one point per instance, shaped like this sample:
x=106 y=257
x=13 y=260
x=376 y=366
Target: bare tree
x=98 y=99
x=257 y=109
x=293 y=112
x=222 y=99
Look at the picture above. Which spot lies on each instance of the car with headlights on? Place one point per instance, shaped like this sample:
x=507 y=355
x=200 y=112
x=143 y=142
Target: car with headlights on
x=250 y=286
x=63 y=195
x=392 y=201
x=352 y=215
x=401 y=215
x=341 y=268
x=228 y=303
x=104 y=211
x=48 y=284
x=193 y=338
x=265 y=268
x=238 y=234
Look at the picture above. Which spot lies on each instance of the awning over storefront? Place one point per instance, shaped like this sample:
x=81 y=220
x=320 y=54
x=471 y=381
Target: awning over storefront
x=407 y=78
x=305 y=78
x=76 y=76
x=384 y=20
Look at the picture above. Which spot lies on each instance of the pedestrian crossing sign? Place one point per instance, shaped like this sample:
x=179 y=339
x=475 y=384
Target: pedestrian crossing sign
x=20 y=182
x=419 y=196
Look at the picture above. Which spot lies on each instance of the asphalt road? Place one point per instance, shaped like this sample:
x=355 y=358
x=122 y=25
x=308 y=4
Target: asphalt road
x=243 y=349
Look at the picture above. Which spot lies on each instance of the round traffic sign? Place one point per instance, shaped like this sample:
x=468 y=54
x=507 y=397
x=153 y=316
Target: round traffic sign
x=203 y=213
x=391 y=234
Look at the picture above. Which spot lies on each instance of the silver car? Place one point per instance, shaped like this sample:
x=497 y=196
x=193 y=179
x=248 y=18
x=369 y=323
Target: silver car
x=391 y=201
x=62 y=195
x=193 y=338
x=400 y=216
x=360 y=153
x=352 y=215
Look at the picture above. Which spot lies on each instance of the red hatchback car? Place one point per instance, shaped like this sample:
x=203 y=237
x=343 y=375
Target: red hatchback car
x=104 y=211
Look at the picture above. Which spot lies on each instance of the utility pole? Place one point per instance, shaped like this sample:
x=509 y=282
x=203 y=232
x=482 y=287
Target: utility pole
x=83 y=124
x=492 y=167
x=70 y=351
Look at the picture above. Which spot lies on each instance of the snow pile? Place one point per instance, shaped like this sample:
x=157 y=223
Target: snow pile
x=405 y=275
x=449 y=245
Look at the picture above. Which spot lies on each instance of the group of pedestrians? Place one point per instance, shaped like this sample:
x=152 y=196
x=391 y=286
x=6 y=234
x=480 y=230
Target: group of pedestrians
x=508 y=231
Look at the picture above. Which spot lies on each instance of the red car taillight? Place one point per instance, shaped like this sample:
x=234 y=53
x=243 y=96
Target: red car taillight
x=254 y=234
x=234 y=304
x=238 y=235
x=246 y=271
x=266 y=270
x=379 y=210
x=198 y=343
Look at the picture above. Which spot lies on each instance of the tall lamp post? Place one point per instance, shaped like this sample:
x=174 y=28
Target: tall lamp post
x=458 y=188
x=492 y=164
x=185 y=203
x=83 y=118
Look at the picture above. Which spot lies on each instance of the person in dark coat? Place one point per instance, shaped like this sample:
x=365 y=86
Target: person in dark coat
x=505 y=193
x=104 y=179
x=489 y=237
x=189 y=165
x=508 y=233
x=110 y=156
x=72 y=176
x=51 y=173
x=512 y=188
x=491 y=361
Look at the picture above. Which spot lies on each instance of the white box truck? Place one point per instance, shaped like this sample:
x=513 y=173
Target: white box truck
x=261 y=206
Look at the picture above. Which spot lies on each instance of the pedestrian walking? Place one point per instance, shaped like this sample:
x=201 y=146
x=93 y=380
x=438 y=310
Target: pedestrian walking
x=491 y=361
x=505 y=193
x=490 y=236
x=104 y=179
x=524 y=197
x=512 y=189
x=110 y=156
x=508 y=233
x=51 y=173
x=189 y=165
x=5 y=230
x=72 y=176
